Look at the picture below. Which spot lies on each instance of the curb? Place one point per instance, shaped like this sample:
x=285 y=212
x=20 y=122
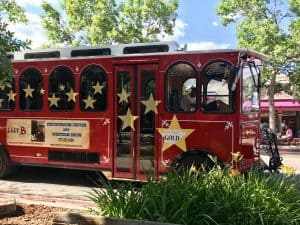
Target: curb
x=49 y=201
x=7 y=206
x=82 y=219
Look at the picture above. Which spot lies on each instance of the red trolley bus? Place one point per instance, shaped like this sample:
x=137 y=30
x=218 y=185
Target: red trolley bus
x=131 y=110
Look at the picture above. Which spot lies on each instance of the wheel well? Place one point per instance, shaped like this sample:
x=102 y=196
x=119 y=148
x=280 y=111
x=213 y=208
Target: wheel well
x=2 y=148
x=197 y=153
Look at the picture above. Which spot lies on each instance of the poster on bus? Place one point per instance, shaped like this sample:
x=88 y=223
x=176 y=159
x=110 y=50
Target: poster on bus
x=48 y=133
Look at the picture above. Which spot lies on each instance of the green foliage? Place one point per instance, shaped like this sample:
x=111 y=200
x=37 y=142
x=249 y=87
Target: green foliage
x=205 y=198
x=271 y=27
x=52 y=22
x=9 y=12
x=106 y=22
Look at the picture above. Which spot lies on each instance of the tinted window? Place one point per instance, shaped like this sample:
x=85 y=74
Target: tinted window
x=90 y=52
x=41 y=55
x=7 y=95
x=62 y=95
x=93 y=89
x=146 y=49
x=31 y=90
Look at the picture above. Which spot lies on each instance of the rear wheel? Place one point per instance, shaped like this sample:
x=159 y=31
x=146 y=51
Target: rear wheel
x=197 y=162
x=5 y=166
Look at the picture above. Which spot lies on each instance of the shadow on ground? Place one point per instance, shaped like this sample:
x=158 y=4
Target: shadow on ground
x=30 y=174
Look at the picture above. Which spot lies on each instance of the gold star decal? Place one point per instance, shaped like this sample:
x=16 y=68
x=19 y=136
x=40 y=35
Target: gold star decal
x=42 y=91
x=236 y=156
x=150 y=104
x=98 y=88
x=62 y=87
x=123 y=96
x=53 y=101
x=71 y=95
x=28 y=91
x=89 y=102
x=2 y=87
x=174 y=135
x=1 y=100
x=128 y=120
x=11 y=96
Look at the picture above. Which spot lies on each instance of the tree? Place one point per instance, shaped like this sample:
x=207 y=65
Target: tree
x=106 y=22
x=9 y=12
x=271 y=27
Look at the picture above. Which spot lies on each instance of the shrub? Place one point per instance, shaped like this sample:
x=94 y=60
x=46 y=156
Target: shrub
x=205 y=198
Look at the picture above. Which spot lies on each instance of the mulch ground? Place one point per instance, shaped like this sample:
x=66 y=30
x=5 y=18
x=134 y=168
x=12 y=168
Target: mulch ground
x=31 y=215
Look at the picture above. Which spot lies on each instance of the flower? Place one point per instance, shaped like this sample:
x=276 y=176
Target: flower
x=288 y=169
x=234 y=172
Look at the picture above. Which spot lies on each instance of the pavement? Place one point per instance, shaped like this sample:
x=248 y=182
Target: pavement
x=47 y=201
x=49 y=186
x=70 y=189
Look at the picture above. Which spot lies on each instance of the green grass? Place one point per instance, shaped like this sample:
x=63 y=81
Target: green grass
x=205 y=198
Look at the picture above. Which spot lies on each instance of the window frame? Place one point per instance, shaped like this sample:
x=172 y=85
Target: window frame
x=104 y=89
x=73 y=85
x=166 y=87
x=251 y=68
x=35 y=90
x=13 y=89
x=232 y=96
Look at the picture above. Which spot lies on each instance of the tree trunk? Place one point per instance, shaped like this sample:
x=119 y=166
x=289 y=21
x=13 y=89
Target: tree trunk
x=272 y=113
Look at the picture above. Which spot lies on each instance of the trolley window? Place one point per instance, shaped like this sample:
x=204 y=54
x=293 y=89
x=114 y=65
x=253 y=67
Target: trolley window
x=42 y=55
x=93 y=89
x=90 y=52
x=61 y=90
x=7 y=95
x=31 y=90
x=146 y=49
x=216 y=94
x=250 y=96
x=181 y=89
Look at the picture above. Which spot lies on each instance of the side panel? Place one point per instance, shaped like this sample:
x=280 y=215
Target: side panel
x=74 y=138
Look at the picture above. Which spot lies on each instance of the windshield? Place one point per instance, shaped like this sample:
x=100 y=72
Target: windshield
x=250 y=96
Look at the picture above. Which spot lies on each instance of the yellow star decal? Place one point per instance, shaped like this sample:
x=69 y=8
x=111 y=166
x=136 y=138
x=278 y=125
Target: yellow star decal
x=236 y=156
x=123 y=96
x=62 y=87
x=1 y=100
x=2 y=87
x=89 y=102
x=28 y=91
x=98 y=88
x=71 y=95
x=128 y=120
x=11 y=96
x=151 y=105
x=53 y=101
x=174 y=135
x=42 y=91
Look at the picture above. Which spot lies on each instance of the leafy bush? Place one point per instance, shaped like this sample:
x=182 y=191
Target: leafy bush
x=205 y=198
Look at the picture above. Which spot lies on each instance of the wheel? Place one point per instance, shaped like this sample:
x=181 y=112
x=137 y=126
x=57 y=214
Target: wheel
x=5 y=167
x=197 y=161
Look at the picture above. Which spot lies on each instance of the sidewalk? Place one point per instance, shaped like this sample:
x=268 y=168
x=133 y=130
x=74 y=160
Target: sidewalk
x=285 y=148
x=289 y=148
x=49 y=201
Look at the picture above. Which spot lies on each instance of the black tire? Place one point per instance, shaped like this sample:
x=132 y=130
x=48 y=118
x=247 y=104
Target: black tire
x=5 y=167
x=197 y=161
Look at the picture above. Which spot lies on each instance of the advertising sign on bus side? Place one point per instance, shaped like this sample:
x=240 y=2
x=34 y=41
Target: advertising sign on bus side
x=48 y=133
